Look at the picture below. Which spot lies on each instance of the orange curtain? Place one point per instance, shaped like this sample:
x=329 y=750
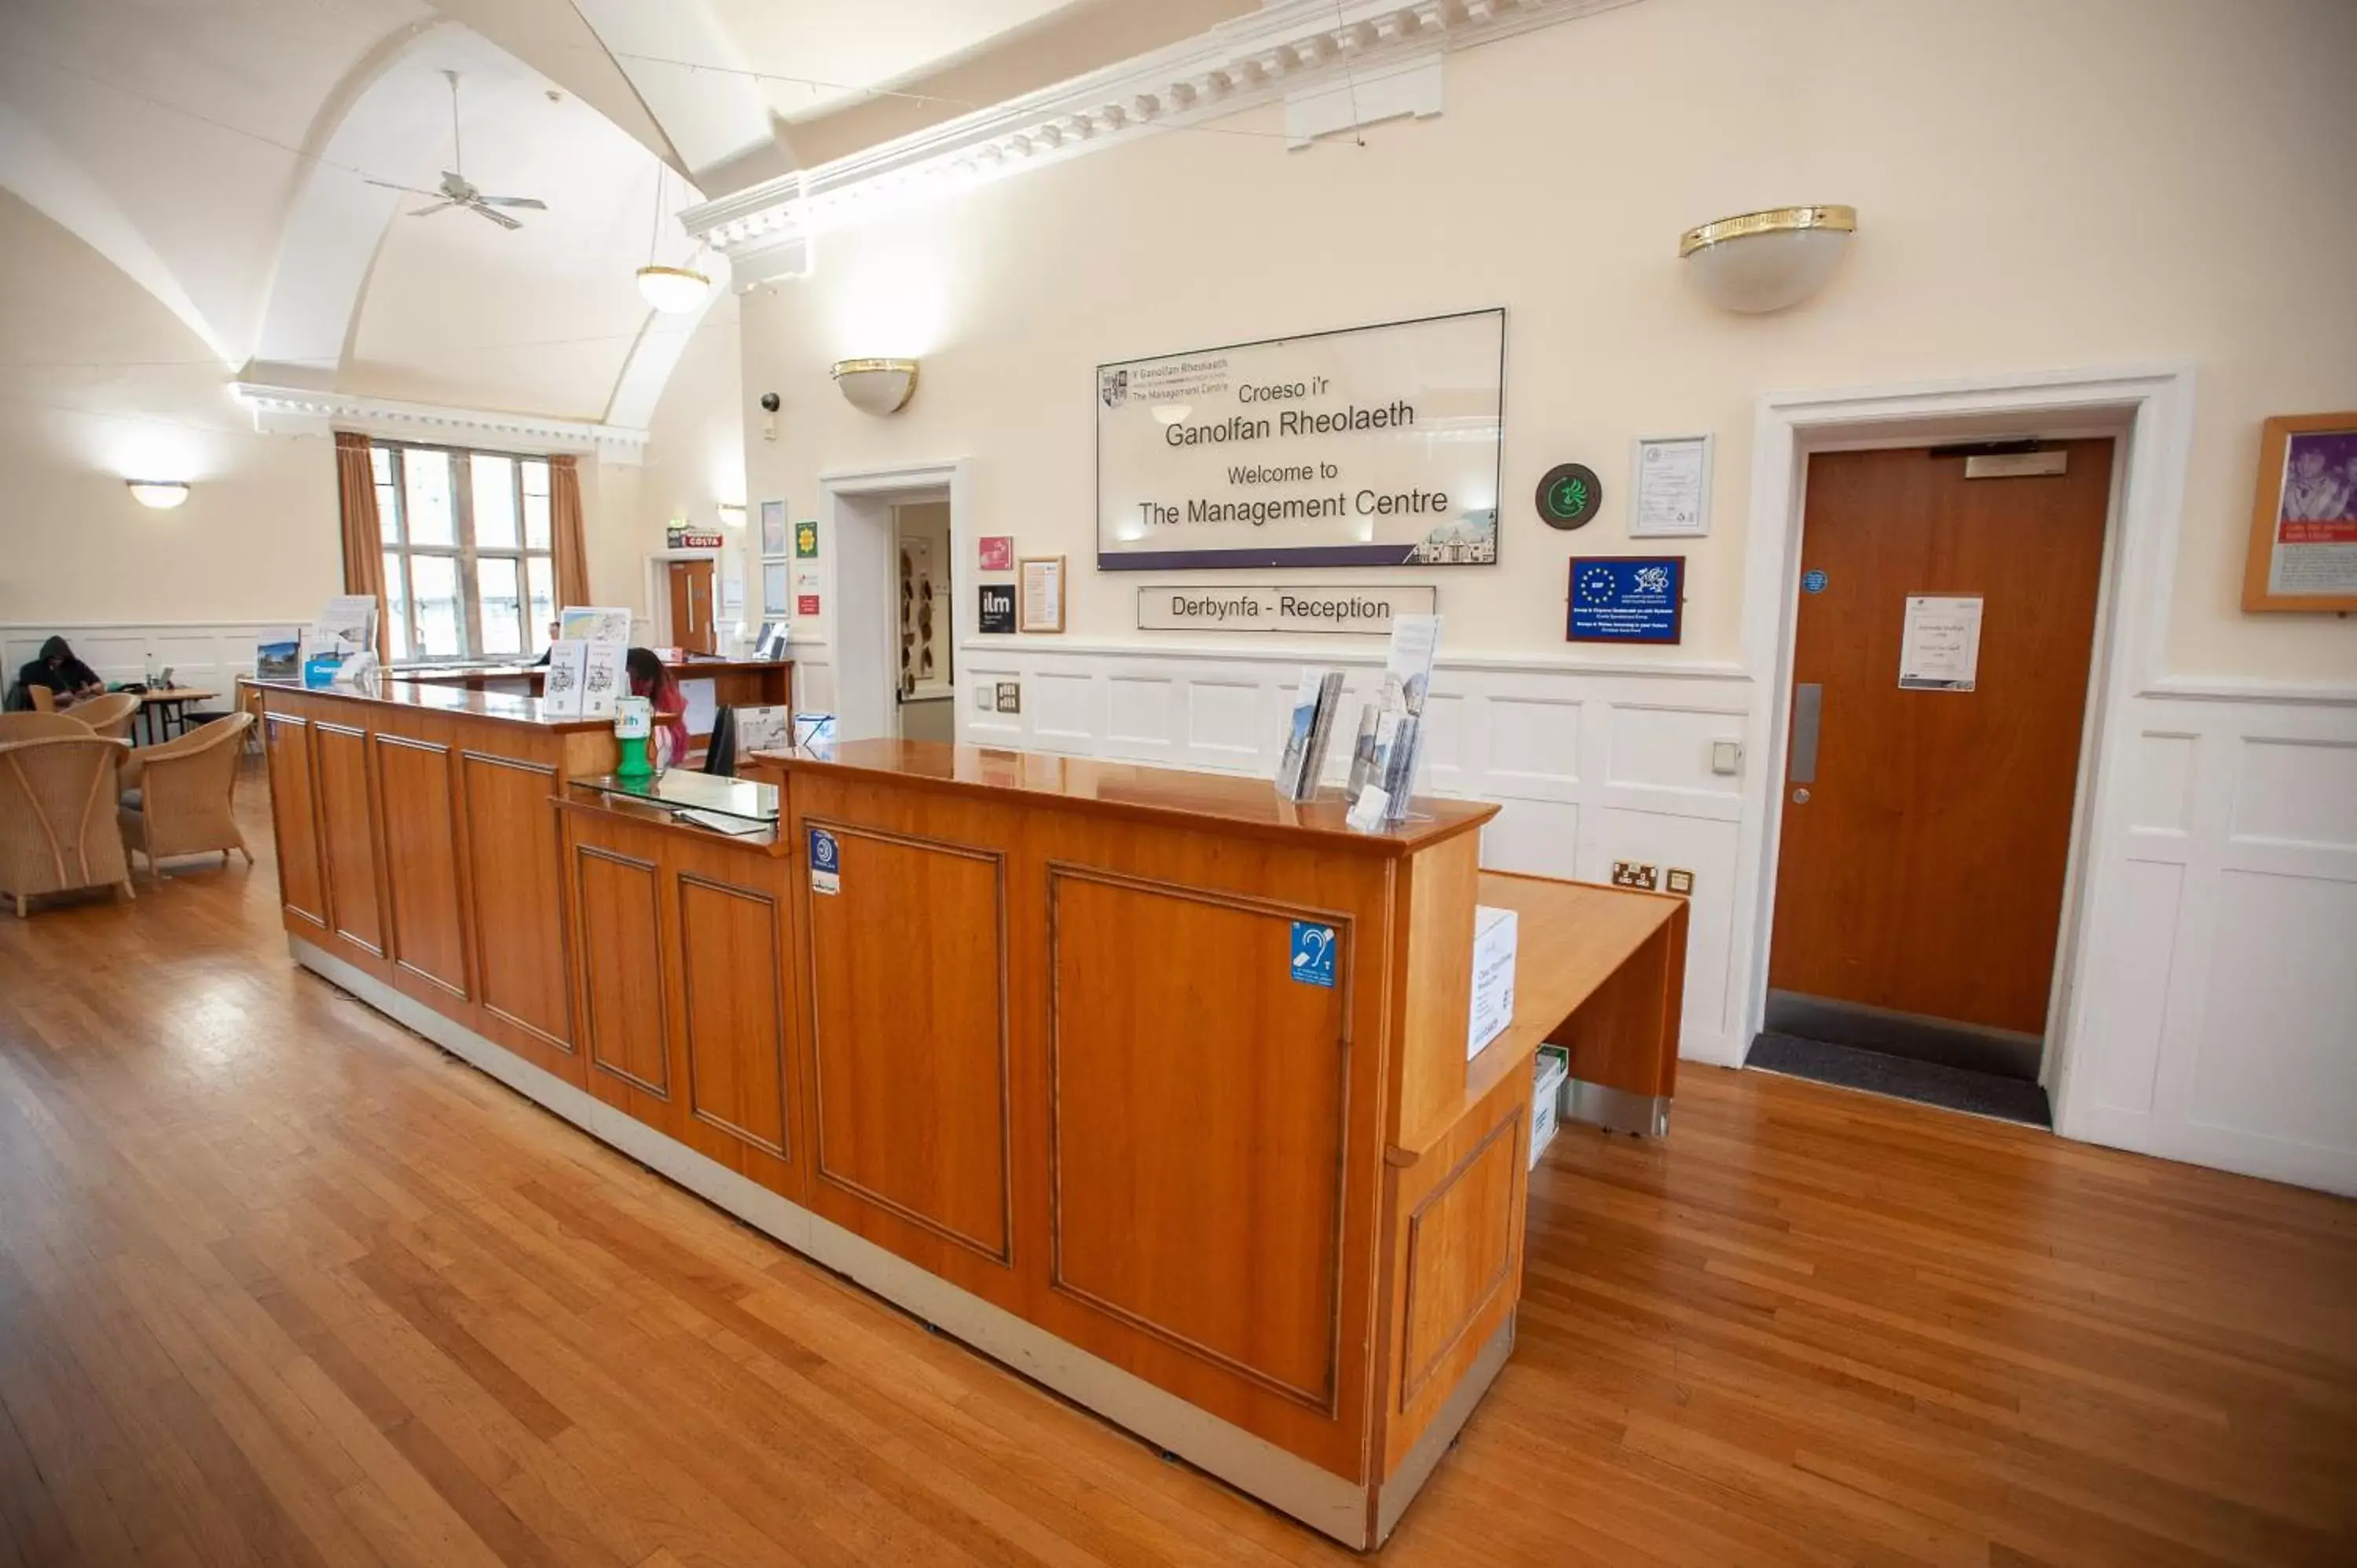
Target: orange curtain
x=572 y=551
x=363 y=541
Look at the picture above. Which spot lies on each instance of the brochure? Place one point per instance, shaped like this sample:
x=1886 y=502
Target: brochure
x=1305 y=735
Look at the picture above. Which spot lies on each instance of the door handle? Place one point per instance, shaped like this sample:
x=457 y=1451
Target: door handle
x=1808 y=713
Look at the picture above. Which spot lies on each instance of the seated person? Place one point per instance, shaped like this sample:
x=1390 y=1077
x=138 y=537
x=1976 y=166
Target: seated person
x=56 y=668
x=650 y=680
x=554 y=627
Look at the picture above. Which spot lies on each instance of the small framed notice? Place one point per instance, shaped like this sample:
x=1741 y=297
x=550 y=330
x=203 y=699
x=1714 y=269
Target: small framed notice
x=773 y=528
x=1040 y=593
x=1669 y=488
x=1939 y=645
x=2303 y=551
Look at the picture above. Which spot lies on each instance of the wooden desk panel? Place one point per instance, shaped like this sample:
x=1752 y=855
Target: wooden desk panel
x=625 y=1014
x=422 y=873
x=295 y=819
x=908 y=1027
x=516 y=854
x=347 y=837
x=1199 y=1100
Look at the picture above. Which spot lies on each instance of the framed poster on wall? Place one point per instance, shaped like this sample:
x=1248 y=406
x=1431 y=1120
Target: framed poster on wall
x=1040 y=593
x=1367 y=447
x=773 y=528
x=2303 y=549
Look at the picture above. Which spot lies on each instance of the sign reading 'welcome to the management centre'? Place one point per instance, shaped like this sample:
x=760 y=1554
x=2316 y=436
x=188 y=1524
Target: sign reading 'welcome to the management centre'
x=1313 y=609
x=1375 y=446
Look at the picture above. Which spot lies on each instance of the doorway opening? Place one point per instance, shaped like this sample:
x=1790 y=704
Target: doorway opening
x=896 y=587
x=1944 y=641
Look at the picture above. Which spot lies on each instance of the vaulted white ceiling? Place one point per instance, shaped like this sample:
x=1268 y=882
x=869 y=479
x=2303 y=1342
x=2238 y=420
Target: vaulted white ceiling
x=219 y=153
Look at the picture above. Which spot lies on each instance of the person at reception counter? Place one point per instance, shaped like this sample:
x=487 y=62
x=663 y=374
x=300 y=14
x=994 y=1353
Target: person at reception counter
x=56 y=668
x=650 y=680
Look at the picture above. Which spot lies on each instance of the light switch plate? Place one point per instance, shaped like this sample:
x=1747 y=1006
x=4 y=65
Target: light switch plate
x=1010 y=697
x=1635 y=874
x=1679 y=881
x=1727 y=757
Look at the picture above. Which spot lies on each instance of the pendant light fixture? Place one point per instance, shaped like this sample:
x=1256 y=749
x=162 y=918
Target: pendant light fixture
x=672 y=290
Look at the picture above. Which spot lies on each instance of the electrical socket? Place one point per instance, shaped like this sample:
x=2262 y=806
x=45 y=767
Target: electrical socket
x=1635 y=874
x=1010 y=697
x=1679 y=881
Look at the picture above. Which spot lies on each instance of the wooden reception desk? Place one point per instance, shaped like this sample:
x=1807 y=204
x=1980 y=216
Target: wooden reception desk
x=1040 y=1067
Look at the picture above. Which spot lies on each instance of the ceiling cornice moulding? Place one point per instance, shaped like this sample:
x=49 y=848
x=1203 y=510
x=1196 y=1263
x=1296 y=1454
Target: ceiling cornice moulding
x=766 y=230
x=302 y=411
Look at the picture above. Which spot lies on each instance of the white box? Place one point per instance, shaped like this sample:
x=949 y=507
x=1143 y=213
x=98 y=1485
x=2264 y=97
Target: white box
x=1549 y=1073
x=1494 y=935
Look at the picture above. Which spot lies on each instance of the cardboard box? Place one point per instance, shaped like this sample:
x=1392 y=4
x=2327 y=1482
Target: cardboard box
x=1494 y=935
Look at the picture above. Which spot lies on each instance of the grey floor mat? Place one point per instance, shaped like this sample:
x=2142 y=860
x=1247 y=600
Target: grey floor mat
x=1929 y=1083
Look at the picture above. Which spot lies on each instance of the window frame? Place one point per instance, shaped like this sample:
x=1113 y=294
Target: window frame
x=397 y=544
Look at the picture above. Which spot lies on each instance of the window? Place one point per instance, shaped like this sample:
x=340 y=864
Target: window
x=468 y=571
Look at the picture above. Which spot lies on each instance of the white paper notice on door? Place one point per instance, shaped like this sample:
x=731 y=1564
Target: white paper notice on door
x=1941 y=649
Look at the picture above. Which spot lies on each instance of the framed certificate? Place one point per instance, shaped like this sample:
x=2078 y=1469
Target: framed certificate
x=1040 y=595
x=2303 y=550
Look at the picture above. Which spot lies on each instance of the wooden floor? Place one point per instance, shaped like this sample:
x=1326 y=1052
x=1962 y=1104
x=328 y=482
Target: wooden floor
x=281 y=1284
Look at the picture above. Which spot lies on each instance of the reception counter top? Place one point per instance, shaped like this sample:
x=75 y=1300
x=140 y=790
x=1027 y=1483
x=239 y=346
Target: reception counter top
x=1236 y=802
x=393 y=689
x=1145 y=1082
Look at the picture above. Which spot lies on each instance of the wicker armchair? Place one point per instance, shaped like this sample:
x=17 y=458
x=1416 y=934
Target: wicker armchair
x=54 y=791
x=44 y=701
x=179 y=796
x=32 y=725
x=110 y=716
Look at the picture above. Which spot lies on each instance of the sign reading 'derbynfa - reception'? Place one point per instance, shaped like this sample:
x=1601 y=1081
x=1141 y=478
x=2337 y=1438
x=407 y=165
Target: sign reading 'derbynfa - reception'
x=1373 y=447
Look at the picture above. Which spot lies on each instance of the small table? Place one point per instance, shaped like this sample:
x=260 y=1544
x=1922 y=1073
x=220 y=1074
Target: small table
x=162 y=710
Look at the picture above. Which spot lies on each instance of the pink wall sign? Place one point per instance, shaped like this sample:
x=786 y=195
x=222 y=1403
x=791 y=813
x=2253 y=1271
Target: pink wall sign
x=998 y=552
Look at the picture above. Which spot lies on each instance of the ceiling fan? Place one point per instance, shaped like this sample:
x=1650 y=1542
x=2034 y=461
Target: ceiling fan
x=456 y=191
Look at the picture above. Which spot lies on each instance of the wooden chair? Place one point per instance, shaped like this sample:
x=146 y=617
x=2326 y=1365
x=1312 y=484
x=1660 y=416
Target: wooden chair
x=54 y=792
x=35 y=725
x=109 y=715
x=178 y=798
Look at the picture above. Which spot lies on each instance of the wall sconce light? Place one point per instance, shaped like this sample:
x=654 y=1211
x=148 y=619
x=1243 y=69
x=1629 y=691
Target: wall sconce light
x=1759 y=262
x=876 y=386
x=161 y=494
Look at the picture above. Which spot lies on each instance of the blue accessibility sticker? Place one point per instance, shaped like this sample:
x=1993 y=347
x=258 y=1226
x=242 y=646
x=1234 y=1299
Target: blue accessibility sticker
x=1313 y=953
x=826 y=861
x=1813 y=581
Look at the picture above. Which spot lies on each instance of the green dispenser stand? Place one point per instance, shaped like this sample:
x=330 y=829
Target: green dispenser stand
x=634 y=726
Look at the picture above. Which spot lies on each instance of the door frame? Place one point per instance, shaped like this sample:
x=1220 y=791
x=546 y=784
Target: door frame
x=841 y=491
x=657 y=571
x=2148 y=411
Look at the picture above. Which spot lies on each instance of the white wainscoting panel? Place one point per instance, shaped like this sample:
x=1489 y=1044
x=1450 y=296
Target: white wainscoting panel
x=2217 y=1015
x=205 y=655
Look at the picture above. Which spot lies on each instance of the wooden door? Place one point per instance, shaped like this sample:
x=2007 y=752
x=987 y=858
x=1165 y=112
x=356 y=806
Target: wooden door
x=1923 y=853
x=692 y=609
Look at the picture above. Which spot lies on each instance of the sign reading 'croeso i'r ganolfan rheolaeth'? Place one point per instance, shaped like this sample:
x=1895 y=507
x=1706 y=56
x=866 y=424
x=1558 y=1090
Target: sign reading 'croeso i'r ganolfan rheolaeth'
x=1374 y=446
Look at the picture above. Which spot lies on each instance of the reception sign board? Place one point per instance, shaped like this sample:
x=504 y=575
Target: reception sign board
x=1371 y=447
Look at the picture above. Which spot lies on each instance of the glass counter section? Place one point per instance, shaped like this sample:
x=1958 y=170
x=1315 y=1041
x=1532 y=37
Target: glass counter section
x=738 y=806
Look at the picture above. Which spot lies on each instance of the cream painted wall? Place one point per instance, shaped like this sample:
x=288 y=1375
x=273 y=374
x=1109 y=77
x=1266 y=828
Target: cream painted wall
x=2109 y=182
x=99 y=383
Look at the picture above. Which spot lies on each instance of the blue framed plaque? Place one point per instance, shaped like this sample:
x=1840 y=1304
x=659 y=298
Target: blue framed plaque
x=1626 y=598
